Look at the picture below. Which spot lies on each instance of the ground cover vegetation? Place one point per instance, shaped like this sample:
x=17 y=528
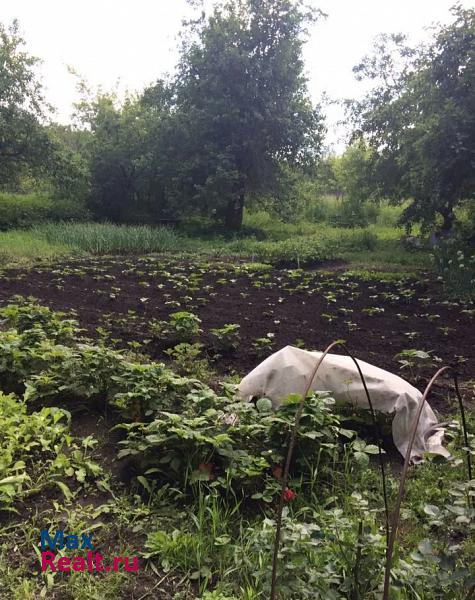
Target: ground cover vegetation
x=131 y=399
x=161 y=246
x=174 y=469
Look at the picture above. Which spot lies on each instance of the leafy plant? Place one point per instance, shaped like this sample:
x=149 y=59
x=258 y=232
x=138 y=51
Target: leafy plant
x=188 y=360
x=263 y=346
x=36 y=451
x=183 y=326
x=229 y=445
x=226 y=338
x=25 y=314
x=417 y=362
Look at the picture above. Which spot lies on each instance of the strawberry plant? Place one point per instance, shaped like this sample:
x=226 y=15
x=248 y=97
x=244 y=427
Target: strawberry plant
x=183 y=326
x=239 y=442
x=37 y=451
x=226 y=339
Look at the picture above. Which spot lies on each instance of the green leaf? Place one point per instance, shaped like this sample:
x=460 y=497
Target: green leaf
x=142 y=480
x=264 y=405
x=65 y=489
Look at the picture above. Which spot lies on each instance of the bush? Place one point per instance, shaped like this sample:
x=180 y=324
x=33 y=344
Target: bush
x=303 y=250
x=350 y=214
x=19 y=211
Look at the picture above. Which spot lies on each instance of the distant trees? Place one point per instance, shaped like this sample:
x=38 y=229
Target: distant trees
x=118 y=154
x=236 y=123
x=30 y=147
x=229 y=125
x=419 y=119
x=24 y=143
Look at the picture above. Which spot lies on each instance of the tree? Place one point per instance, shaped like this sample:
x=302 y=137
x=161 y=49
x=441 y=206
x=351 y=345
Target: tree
x=122 y=151
x=66 y=171
x=240 y=107
x=420 y=120
x=24 y=143
x=353 y=174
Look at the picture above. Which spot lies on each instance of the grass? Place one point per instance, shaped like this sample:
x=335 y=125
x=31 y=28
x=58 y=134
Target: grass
x=107 y=238
x=24 y=247
x=263 y=239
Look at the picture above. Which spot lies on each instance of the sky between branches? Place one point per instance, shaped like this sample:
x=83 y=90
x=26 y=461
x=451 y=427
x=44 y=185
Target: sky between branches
x=135 y=42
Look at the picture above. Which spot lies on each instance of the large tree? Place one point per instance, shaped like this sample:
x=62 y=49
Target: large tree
x=24 y=142
x=420 y=120
x=240 y=107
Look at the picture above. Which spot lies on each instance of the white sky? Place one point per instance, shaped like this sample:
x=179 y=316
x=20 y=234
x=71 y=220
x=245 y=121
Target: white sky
x=136 y=41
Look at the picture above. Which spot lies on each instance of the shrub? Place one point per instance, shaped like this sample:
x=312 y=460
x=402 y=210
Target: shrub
x=302 y=250
x=18 y=211
x=351 y=214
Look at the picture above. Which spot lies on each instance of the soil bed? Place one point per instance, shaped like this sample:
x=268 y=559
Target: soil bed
x=377 y=317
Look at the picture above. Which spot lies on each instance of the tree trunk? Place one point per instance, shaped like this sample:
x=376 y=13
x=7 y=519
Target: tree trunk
x=448 y=221
x=234 y=213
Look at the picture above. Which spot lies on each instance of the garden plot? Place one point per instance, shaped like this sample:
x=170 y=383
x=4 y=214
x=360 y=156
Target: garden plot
x=379 y=315
x=163 y=464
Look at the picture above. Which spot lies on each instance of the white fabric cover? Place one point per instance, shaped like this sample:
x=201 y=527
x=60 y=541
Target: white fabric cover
x=288 y=372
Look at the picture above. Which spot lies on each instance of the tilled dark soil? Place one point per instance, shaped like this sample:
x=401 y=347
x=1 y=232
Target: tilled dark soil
x=377 y=316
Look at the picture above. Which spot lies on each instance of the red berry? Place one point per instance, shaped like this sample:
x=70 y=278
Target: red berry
x=289 y=495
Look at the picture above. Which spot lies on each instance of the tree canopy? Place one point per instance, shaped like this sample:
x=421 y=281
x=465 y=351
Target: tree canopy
x=240 y=105
x=420 y=120
x=23 y=142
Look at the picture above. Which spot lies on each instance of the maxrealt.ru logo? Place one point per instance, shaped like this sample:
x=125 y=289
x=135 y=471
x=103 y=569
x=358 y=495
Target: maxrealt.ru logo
x=92 y=561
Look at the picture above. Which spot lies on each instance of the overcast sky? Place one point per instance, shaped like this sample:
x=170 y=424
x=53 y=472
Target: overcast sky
x=136 y=41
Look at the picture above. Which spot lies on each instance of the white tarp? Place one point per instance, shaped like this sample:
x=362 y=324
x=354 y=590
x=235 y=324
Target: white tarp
x=288 y=372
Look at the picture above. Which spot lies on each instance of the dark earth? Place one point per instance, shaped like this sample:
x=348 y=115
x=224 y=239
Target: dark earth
x=378 y=314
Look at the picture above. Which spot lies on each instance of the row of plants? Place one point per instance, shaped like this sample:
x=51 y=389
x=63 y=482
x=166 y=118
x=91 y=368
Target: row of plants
x=208 y=471
x=326 y=243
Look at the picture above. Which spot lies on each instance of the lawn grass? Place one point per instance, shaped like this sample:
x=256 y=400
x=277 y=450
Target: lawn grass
x=376 y=247
x=24 y=247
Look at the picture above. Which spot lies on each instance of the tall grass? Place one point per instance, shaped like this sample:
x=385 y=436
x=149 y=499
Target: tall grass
x=107 y=238
x=278 y=243
x=21 y=247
